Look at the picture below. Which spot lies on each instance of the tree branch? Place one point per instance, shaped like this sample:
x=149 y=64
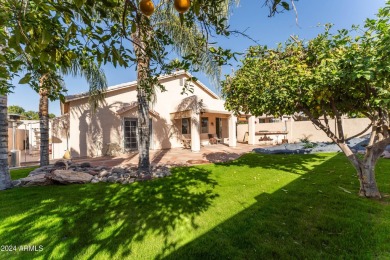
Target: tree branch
x=362 y=132
x=338 y=121
x=381 y=142
x=318 y=123
x=373 y=131
x=296 y=12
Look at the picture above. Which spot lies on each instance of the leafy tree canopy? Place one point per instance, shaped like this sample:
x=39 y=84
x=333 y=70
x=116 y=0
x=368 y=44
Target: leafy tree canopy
x=29 y=115
x=346 y=72
x=16 y=110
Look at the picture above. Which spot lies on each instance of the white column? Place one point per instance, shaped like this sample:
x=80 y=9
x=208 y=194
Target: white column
x=251 y=130
x=29 y=138
x=232 y=131
x=195 y=132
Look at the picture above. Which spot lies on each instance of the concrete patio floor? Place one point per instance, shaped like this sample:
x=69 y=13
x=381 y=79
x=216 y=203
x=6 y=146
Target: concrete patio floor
x=175 y=156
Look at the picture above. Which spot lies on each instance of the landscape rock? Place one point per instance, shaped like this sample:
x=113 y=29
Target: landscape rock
x=111 y=179
x=36 y=171
x=93 y=173
x=84 y=173
x=69 y=177
x=133 y=174
x=85 y=165
x=35 y=180
x=99 y=168
x=103 y=173
x=118 y=170
x=16 y=183
x=61 y=164
x=144 y=177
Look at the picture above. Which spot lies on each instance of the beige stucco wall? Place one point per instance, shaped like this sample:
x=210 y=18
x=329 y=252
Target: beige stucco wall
x=59 y=132
x=20 y=136
x=91 y=132
x=300 y=129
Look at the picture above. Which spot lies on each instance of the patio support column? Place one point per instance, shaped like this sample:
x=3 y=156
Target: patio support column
x=195 y=133
x=251 y=130
x=232 y=131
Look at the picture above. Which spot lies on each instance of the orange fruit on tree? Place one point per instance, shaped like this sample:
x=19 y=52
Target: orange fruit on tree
x=146 y=7
x=182 y=5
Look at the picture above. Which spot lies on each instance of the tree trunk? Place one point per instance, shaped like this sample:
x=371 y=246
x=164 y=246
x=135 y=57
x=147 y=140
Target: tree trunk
x=365 y=170
x=5 y=178
x=143 y=134
x=365 y=167
x=366 y=174
x=143 y=62
x=44 y=125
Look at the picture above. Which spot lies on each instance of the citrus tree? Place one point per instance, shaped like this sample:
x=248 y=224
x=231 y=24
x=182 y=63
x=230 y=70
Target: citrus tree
x=326 y=77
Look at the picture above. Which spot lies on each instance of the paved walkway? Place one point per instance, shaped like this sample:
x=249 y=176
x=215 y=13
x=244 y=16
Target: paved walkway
x=176 y=156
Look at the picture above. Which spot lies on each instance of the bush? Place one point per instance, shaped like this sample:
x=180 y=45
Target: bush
x=308 y=145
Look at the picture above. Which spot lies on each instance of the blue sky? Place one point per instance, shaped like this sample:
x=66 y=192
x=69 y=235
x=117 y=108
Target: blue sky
x=250 y=17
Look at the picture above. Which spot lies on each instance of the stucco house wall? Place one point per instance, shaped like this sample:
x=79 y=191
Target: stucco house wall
x=91 y=133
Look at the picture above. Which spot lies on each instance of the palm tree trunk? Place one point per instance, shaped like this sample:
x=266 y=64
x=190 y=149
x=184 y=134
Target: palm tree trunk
x=143 y=133
x=143 y=137
x=5 y=178
x=44 y=124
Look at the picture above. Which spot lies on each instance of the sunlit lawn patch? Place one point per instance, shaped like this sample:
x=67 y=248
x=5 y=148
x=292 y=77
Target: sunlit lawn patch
x=21 y=173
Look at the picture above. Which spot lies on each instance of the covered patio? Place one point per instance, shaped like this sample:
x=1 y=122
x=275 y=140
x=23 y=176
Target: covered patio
x=198 y=123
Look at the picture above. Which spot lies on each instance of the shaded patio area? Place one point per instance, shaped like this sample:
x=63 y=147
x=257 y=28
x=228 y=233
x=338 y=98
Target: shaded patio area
x=175 y=156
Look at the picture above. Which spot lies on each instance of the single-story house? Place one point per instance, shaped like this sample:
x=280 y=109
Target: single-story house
x=176 y=119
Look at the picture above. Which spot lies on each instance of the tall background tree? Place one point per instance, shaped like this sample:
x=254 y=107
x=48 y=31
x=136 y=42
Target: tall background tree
x=46 y=39
x=5 y=178
x=327 y=77
x=27 y=115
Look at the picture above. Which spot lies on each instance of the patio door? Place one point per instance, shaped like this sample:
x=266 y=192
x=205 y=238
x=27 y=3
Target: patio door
x=130 y=134
x=218 y=126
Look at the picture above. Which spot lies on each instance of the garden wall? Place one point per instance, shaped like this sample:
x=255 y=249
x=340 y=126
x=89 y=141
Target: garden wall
x=301 y=129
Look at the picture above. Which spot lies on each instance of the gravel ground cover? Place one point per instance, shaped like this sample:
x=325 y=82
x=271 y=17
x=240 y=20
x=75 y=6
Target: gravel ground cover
x=356 y=144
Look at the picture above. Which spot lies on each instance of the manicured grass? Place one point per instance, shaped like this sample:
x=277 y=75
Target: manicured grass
x=21 y=173
x=256 y=207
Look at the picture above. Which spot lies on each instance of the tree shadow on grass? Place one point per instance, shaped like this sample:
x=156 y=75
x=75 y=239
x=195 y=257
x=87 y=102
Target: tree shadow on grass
x=309 y=218
x=101 y=220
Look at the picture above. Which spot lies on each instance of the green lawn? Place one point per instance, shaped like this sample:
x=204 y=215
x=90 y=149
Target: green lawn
x=21 y=173
x=257 y=207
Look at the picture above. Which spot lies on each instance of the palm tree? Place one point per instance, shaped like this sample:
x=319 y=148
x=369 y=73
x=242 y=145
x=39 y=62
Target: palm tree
x=186 y=40
x=5 y=178
x=52 y=82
